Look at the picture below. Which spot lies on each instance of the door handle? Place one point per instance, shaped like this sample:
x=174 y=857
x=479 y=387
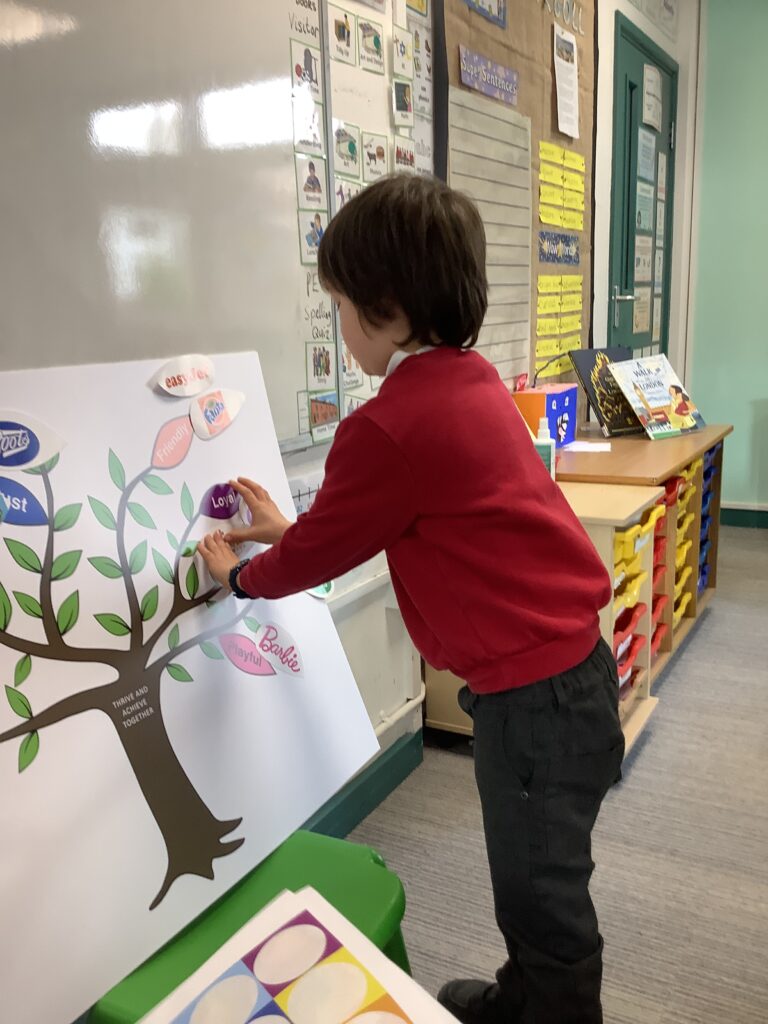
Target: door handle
x=617 y=298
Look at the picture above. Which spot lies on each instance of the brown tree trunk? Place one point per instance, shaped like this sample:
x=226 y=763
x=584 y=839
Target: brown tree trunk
x=192 y=835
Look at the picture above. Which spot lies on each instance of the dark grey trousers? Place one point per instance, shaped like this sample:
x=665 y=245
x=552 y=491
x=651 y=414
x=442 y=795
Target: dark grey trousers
x=545 y=756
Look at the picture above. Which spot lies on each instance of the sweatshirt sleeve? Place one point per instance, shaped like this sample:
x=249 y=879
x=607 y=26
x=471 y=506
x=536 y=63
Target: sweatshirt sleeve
x=366 y=501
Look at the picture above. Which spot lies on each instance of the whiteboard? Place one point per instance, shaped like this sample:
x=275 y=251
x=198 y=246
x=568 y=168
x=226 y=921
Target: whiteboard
x=148 y=186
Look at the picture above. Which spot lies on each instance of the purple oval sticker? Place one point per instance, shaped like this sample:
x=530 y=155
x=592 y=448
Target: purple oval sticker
x=220 y=502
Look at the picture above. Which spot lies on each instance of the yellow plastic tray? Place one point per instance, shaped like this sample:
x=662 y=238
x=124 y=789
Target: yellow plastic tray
x=679 y=612
x=623 y=569
x=629 y=594
x=684 y=524
x=690 y=472
x=627 y=543
x=682 y=553
x=681 y=580
x=684 y=499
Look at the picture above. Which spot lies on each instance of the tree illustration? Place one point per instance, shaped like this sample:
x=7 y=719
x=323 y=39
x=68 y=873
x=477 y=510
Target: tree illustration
x=194 y=837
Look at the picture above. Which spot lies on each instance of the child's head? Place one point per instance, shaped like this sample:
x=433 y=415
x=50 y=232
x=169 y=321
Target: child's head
x=408 y=255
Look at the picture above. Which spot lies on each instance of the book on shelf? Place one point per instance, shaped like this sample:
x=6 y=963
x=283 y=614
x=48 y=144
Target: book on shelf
x=612 y=410
x=659 y=400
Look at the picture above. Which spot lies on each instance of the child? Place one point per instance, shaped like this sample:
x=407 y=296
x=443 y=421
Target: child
x=494 y=575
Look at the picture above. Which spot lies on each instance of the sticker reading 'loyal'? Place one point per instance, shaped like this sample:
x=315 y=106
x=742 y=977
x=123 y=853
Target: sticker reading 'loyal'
x=220 y=502
x=21 y=506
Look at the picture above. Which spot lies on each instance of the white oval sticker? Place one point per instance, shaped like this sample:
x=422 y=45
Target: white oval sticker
x=24 y=442
x=214 y=411
x=279 y=648
x=184 y=376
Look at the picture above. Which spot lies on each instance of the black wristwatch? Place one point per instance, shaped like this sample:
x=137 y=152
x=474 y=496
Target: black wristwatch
x=233 y=574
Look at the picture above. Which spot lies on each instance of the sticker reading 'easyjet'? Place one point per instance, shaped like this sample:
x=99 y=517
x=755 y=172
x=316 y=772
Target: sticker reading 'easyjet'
x=21 y=506
x=184 y=376
x=213 y=412
x=25 y=443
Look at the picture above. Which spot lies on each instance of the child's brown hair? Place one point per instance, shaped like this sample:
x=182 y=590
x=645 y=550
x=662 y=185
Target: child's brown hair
x=411 y=243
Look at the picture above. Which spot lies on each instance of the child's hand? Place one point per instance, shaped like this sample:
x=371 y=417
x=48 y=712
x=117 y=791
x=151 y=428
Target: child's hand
x=268 y=524
x=219 y=558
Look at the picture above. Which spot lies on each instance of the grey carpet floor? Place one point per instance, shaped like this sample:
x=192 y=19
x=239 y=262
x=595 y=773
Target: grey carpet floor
x=681 y=845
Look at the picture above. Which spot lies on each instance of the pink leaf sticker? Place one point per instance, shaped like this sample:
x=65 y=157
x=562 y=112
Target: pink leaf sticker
x=172 y=443
x=244 y=654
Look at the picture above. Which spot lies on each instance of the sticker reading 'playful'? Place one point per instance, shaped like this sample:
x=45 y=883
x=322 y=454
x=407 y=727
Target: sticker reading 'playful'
x=244 y=654
x=213 y=412
x=184 y=376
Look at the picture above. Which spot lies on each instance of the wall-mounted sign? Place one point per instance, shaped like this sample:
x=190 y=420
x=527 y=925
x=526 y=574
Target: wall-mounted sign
x=479 y=72
x=569 y=12
x=493 y=10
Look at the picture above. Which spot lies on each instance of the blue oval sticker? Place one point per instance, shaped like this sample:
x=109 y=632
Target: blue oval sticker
x=18 y=444
x=22 y=507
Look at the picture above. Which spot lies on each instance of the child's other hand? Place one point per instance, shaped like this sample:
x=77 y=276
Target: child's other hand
x=268 y=524
x=219 y=558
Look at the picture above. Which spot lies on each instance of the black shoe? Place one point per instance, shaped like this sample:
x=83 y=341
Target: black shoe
x=472 y=1002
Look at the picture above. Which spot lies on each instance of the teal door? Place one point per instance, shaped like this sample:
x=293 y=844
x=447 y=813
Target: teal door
x=644 y=110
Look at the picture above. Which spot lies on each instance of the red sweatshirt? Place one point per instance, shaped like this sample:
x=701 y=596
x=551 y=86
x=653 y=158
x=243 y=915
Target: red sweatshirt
x=495 y=577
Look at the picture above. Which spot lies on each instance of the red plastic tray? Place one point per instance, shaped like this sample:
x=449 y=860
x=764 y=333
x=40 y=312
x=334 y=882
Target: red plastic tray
x=658 y=635
x=660 y=602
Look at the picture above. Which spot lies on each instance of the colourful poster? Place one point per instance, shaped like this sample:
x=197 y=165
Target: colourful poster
x=558 y=248
x=493 y=10
x=644 y=207
x=370 y=45
x=342 y=33
x=346 y=148
x=374 y=156
x=646 y=154
x=481 y=73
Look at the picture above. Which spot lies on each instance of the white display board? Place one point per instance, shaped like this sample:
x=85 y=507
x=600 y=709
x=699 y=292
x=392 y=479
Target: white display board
x=155 y=744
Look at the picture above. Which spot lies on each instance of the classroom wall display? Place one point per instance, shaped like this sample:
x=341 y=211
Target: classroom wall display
x=307 y=67
x=493 y=10
x=346 y=148
x=660 y=224
x=321 y=366
x=311 y=230
x=323 y=414
x=405 y=154
x=402 y=102
x=644 y=206
x=646 y=154
x=308 y=127
x=658 y=271
x=420 y=7
x=555 y=247
x=310 y=182
x=422 y=68
x=374 y=156
x=641 y=318
x=402 y=52
x=643 y=257
x=353 y=371
x=344 y=189
x=342 y=33
x=370 y=45
x=481 y=73
x=377 y=5
x=423 y=144
x=156 y=742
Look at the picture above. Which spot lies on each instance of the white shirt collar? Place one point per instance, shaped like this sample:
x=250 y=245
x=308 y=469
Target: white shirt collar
x=400 y=356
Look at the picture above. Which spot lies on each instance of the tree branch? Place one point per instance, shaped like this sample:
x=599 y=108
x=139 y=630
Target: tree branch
x=62 y=652
x=209 y=634
x=137 y=629
x=76 y=704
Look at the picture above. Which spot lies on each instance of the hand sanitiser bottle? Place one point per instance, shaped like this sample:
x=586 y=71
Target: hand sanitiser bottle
x=545 y=445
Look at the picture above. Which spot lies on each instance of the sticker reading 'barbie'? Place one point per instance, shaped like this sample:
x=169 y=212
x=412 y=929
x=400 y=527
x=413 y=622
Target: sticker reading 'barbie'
x=278 y=647
x=184 y=376
x=244 y=654
x=172 y=443
x=213 y=412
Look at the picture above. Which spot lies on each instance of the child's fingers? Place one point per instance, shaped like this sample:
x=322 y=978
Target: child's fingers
x=256 y=489
x=236 y=536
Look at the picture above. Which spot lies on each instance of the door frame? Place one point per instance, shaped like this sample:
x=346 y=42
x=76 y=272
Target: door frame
x=626 y=30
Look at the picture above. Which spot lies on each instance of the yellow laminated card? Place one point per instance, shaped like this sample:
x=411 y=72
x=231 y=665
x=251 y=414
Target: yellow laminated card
x=546 y=327
x=569 y=344
x=571 y=282
x=551 y=215
x=549 y=151
x=551 y=175
x=547 y=347
x=574 y=160
x=551 y=194
x=548 y=304
x=570 y=324
x=571 y=302
x=573 y=200
x=570 y=219
x=553 y=370
x=565 y=365
x=549 y=283
x=573 y=181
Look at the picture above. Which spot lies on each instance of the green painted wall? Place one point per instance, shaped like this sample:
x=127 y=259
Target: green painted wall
x=729 y=379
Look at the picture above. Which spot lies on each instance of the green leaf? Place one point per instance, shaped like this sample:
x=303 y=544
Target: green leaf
x=23 y=555
x=193 y=580
x=102 y=513
x=6 y=608
x=65 y=565
x=140 y=514
x=138 y=558
x=156 y=485
x=162 y=565
x=252 y=624
x=68 y=612
x=113 y=623
x=22 y=670
x=116 y=471
x=149 y=604
x=30 y=745
x=47 y=467
x=189 y=549
x=172 y=540
x=173 y=638
x=211 y=651
x=179 y=673
x=106 y=566
x=19 y=703
x=28 y=604
x=66 y=517
x=187 y=505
